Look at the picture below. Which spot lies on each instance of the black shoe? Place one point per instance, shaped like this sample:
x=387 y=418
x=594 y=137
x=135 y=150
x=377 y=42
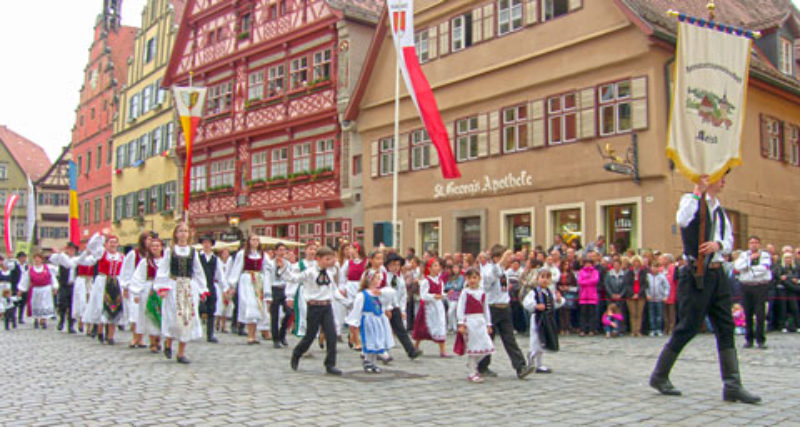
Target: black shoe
x=60 y=326
x=524 y=372
x=213 y=340
x=733 y=390
x=183 y=360
x=284 y=342
x=294 y=362
x=489 y=373
x=121 y=328
x=415 y=354
x=100 y=338
x=110 y=341
x=659 y=379
x=333 y=371
x=168 y=352
x=543 y=370
x=748 y=344
x=387 y=360
x=276 y=344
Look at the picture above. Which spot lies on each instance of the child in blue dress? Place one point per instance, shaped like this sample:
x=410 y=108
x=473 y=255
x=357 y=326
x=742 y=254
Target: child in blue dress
x=367 y=314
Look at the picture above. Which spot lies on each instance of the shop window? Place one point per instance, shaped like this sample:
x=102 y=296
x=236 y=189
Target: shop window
x=198 y=178
x=301 y=158
x=258 y=166
x=515 y=129
x=386 y=146
x=467 y=139
x=518 y=229
x=554 y=8
x=615 y=108
x=562 y=119
x=255 y=85
x=430 y=236
x=299 y=72
x=620 y=227
x=280 y=163
x=420 y=149
x=323 y=157
x=222 y=173
x=219 y=98
x=468 y=230
x=275 y=80
x=509 y=16
x=322 y=65
x=567 y=223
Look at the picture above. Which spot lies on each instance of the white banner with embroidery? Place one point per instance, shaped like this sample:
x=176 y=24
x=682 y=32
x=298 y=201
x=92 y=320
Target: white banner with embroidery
x=708 y=101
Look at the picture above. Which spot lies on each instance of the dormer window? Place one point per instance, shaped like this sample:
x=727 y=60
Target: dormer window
x=787 y=56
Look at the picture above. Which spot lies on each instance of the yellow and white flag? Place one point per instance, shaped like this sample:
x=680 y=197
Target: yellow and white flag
x=189 y=101
x=708 y=101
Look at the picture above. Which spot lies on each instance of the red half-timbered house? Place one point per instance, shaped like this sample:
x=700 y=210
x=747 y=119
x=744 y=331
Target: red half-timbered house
x=270 y=151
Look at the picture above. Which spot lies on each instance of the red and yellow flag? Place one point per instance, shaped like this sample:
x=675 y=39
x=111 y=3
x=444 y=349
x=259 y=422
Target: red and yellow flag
x=74 y=229
x=189 y=101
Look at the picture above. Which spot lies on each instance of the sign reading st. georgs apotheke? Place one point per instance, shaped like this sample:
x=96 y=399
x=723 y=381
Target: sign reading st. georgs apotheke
x=482 y=186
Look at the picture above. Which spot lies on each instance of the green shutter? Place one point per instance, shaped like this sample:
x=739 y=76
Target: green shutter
x=161 y=197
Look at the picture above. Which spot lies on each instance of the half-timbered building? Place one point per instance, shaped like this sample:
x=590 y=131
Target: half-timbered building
x=52 y=204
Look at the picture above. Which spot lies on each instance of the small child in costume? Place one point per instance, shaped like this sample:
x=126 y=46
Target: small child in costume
x=474 y=324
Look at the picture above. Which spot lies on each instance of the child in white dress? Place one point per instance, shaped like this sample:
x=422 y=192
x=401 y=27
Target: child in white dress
x=474 y=324
x=430 y=323
x=150 y=304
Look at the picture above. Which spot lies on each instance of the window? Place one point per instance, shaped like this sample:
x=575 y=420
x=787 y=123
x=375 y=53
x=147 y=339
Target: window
x=273 y=11
x=467 y=139
x=255 y=85
x=109 y=151
x=198 y=179
x=219 y=98
x=462 y=32
x=150 y=50
x=98 y=207
x=99 y=161
x=386 y=147
x=567 y=223
x=335 y=231
x=429 y=236
x=787 y=57
x=518 y=231
x=772 y=139
x=143 y=146
x=168 y=137
x=284 y=9
x=515 y=129
x=554 y=8
x=275 y=83
x=133 y=107
x=280 y=163
x=794 y=145
x=421 y=45
x=86 y=212
x=620 y=227
x=305 y=231
x=245 y=22
x=322 y=65
x=615 y=108
x=258 y=166
x=141 y=202
x=53 y=232
x=88 y=161
x=132 y=150
x=91 y=113
x=222 y=173
x=420 y=149
x=562 y=119
x=152 y=201
x=130 y=205
x=324 y=155
x=80 y=164
x=509 y=16
x=169 y=196
x=119 y=203
x=107 y=207
x=155 y=141
x=19 y=229
x=301 y=157
x=299 y=72
x=3 y=171
x=357 y=165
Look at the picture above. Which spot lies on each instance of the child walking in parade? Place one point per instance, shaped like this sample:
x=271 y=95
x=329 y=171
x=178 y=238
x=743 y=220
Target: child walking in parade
x=150 y=304
x=181 y=283
x=367 y=315
x=543 y=331
x=396 y=309
x=474 y=324
x=319 y=290
x=40 y=284
x=65 y=262
x=226 y=263
x=105 y=300
x=431 y=318
x=453 y=288
x=132 y=260
x=217 y=284
x=276 y=272
x=8 y=302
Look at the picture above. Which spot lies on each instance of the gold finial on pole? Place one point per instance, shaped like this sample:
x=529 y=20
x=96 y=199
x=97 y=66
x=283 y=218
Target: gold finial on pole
x=711 y=8
x=191 y=74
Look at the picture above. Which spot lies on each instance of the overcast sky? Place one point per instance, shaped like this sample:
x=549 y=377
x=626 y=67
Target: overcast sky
x=43 y=49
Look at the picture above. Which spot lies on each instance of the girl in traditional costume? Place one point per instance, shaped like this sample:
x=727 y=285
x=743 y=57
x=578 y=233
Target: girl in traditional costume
x=367 y=315
x=226 y=263
x=248 y=271
x=40 y=283
x=430 y=323
x=132 y=260
x=351 y=273
x=543 y=332
x=149 y=315
x=474 y=324
x=105 y=301
x=181 y=283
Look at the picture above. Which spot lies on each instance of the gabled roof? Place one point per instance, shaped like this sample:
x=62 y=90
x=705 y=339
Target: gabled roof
x=64 y=156
x=362 y=10
x=28 y=155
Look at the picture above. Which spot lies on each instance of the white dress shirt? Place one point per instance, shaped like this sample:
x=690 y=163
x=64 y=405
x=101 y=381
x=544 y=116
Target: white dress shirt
x=753 y=272
x=686 y=212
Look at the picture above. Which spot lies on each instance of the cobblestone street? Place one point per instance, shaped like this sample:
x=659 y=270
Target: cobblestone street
x=53 y=378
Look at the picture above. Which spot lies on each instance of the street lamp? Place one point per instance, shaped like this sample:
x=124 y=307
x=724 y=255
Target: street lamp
x=627 y=166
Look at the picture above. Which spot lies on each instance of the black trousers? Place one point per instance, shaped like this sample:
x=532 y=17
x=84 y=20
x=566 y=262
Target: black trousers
x=714 y=300
x=65 y=303
x=501 y=322
x=588 y=318
x=402 y=334
x=210 y=308
x=23 y=303
x=754 y=297
x=278 y=301
x=518 y=317
x=410 y=312
x=10 y=316
x=319 y=315
x=786 y=304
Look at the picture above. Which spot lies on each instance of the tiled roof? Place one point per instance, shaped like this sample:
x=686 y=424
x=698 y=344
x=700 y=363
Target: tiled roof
x=368 y=10
x=28 y=155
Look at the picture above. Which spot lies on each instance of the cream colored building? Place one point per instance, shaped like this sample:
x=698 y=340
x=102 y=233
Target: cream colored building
x=529 y=90
x=144 y=179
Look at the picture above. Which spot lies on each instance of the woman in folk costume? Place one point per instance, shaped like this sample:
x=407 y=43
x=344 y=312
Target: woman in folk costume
x=431 y=320
x=181 y=284
x=543 y=331
x=249 y=270
x=105 y=300
x=148 y=320
x=132 y=260
x=474 y=324
x=367 y=315
x=84 y=276
x=351 y=272
x=226 y=263
x=40 y=283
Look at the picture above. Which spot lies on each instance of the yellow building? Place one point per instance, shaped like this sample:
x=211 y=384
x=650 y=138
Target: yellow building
x=145 y=172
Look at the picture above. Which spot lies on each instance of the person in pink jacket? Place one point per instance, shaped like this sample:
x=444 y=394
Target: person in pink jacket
x=588 y=277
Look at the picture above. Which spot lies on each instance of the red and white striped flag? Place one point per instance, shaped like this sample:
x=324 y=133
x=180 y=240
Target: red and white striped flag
x=401 y=13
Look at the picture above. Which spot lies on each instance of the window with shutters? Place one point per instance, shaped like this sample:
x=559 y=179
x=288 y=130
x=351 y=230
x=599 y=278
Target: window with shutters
x=554 y=8
x=299 y=72
x=420 y=149
x=98 y=209
x=562 y=116
x=386 y=147
x=147 y=99
x=323 y=156
x=515 y=129
x=301 y=158
x=258 y=166
x=107 y=207
x=198 y=178
x=421 y=45
x=169 y=195
x=130 y=205
x=142 y=147
x=122 y=150
x=275 y=81
x=467 y=139
x=772 y=138
x=118 y=207
x=322 y=65
x=509 y=16
x=220 y=97
x=616 y=111
x=155 y=141
x=255 y=85
x=168 y=136
x=141 y=202
x=787 y=56
x=133 y=107
x=793 y=140
x=280 y=163
x=161 y=93
x=152 y=201
x=461 y=32
x=132 y=150
x=99 y=160
x=221 y=173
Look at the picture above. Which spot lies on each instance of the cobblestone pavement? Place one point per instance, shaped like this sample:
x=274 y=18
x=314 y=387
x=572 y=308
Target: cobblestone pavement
x=52 y=378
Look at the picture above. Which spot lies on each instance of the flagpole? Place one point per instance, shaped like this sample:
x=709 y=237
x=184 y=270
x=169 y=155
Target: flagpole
x=396 y=157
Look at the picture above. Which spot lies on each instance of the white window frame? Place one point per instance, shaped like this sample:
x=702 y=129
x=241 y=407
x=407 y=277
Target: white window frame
x=548 y=211
x=301 y=157
x=458 y=37
x=255 y=85
x=258 y=165
x=220 y=98
x=324 y=154
x=504 y=230
x=517 y=124
x=221 y=172
x=199 y=178
x=150 y=49
x=169 y=196
x=600 y=218
x=276 y=82
x=386 y=150
x=470 y=137
x=418 y=232
x=3 y=171
x=420 y=143
x=561 y=115
x=322 y=65
x=786 y=52
x=421 y=45
x=509 y=14
x=614 y=103
x=299 y=72
x=279 y=162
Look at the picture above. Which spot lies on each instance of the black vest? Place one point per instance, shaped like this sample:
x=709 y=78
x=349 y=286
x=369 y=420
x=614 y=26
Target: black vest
x=691 y=233
x=210 y=268
x=16 y=276
x=63 y=276
x=181 y=266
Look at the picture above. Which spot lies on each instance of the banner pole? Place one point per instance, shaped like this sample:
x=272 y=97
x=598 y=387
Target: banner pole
x=396 y=156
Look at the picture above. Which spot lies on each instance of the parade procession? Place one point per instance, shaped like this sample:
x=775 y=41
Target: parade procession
x=328 y=212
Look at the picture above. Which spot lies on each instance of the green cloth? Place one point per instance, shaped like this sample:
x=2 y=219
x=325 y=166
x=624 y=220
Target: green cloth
x=153 y=308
